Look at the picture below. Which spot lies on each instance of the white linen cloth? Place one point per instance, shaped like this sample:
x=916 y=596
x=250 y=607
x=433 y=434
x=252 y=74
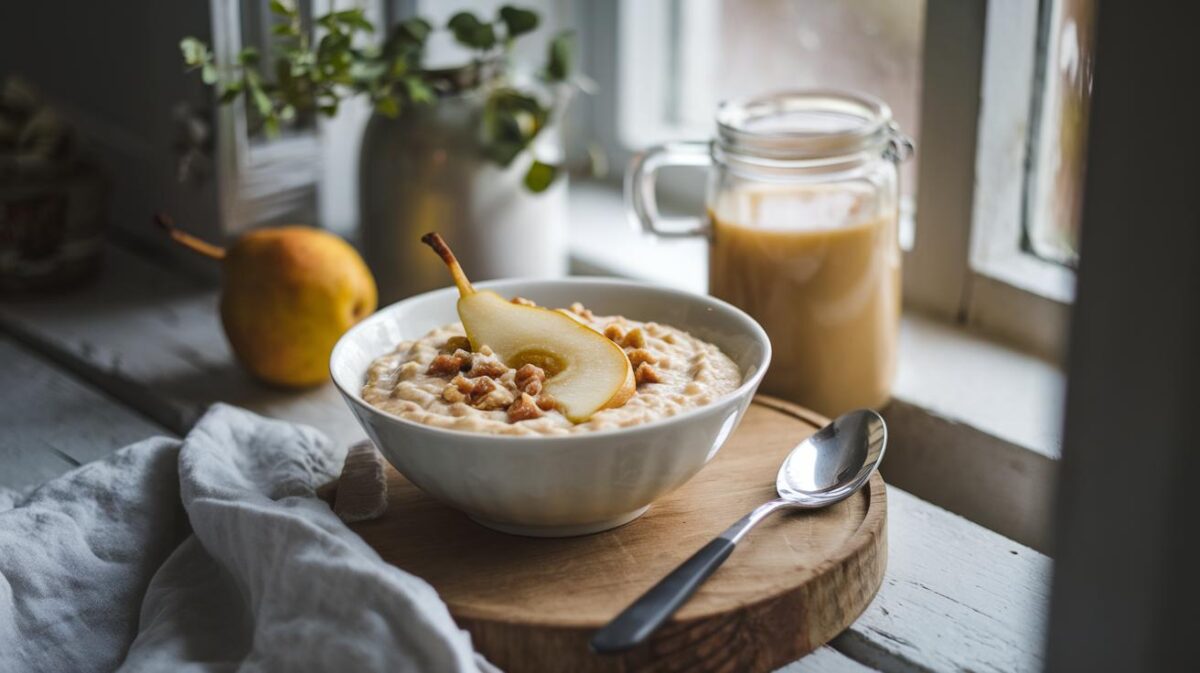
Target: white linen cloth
x=210 y=554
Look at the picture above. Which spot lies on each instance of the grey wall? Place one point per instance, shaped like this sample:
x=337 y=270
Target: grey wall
x=114 y=69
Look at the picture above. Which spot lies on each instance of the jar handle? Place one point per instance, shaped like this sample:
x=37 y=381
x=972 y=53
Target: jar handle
x=899 y=145
x=640 y=200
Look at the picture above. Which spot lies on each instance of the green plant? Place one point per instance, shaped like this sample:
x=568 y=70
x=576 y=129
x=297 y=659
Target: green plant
x=316 y=76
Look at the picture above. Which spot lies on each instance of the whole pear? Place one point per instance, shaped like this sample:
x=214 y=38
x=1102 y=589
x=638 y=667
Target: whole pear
x=287 y=295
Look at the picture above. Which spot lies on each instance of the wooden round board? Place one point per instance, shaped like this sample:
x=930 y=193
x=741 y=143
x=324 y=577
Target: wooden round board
x=531 y=604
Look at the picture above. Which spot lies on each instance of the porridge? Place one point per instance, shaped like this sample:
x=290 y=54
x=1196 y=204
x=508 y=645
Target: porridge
x=436 y=380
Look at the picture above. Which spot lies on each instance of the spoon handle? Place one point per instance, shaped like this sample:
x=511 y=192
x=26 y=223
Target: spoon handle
x=638 y=621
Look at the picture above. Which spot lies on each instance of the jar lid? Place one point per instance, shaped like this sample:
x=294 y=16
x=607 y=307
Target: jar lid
x=803 y=125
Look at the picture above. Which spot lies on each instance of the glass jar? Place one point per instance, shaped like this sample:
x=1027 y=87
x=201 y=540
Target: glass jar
x=802 y=222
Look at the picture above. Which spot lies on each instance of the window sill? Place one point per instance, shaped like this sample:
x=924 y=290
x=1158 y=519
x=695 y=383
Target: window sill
x=976 y=425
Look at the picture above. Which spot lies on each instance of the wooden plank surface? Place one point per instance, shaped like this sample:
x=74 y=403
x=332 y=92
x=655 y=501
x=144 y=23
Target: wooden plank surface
x=152 y=339
x=955 y=597
x=826 y=660
x=51 y=422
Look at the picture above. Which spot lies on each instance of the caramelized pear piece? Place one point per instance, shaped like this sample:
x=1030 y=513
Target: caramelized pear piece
x=585 y=371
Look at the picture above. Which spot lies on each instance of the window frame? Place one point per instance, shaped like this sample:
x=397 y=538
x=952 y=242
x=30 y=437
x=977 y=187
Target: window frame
x=966 y=263
x=307 y=176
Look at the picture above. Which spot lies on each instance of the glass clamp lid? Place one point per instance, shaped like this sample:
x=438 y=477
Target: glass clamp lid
x=809 y=125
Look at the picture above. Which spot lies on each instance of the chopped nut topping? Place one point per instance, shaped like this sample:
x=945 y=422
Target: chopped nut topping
x=529 y=379
x=639 y=355
x=615 y=333
x=452 y=394
x=582 y=312
x=480 y=387
x=546 y=402
x=486 y=350
x=498 y=397
x=646 y=374
x=458 y=389
x=524 y=409
x=522 y=301
x=445 y=365
x=486 y=365
x=636 y=338
x=481 y=393
x=457 y=343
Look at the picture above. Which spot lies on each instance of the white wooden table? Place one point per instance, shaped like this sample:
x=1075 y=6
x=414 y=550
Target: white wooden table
x=140 y=352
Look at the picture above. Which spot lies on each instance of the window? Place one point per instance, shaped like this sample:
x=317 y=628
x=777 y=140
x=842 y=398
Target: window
x=271 y=179
x=1000 y=90
x=679 y=59
x=1036 y=91
x=257 y=23
x=1054 y=194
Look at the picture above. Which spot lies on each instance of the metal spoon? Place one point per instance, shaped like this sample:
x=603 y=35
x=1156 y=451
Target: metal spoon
x=827 y=467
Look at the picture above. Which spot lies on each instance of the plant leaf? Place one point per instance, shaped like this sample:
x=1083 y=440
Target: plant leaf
x=418 y=90
x=260 y=98
x=388 y=107
x=281 y=9
x=502 y=152
x=261 y=101
x=416 y=29
x=463 y=21
x=354 y=18
x=485 y=36
x=471 y=32
x=208 y=73
x=195 y=53
x=540 y=176
x=327 y=21
x=232 y=91
x=560 y=57
x=518 y=21
x=248 y=56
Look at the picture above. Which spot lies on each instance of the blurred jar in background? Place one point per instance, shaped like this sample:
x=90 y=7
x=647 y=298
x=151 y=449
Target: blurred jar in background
x=802 y=220
x=53 y=204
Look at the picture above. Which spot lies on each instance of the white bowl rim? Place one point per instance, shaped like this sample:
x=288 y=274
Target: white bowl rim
x=748 y=383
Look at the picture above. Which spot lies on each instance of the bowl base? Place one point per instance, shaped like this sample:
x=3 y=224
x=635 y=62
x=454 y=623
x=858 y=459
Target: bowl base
x=560 y=531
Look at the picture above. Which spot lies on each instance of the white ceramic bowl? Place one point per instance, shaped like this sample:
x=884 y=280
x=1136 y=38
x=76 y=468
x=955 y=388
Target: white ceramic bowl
x=564 y=485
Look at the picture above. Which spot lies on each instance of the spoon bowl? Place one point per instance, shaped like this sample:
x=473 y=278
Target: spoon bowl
x=833 y=462
x=827 y=467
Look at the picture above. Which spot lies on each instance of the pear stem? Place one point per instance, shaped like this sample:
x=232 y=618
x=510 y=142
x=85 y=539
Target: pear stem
x=196 y=245
x=435 y=241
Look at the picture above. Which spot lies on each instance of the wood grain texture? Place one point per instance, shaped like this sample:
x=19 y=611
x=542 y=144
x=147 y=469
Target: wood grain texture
x=955 y=597
x=153 y=340
x=826 y=660
x=50 y=422
x=532 y=604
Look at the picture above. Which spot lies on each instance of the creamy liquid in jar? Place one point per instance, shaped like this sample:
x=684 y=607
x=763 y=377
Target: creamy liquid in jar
x=819 y=268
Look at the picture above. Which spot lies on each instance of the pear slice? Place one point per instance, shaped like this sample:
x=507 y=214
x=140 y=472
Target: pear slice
x=585 y=370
